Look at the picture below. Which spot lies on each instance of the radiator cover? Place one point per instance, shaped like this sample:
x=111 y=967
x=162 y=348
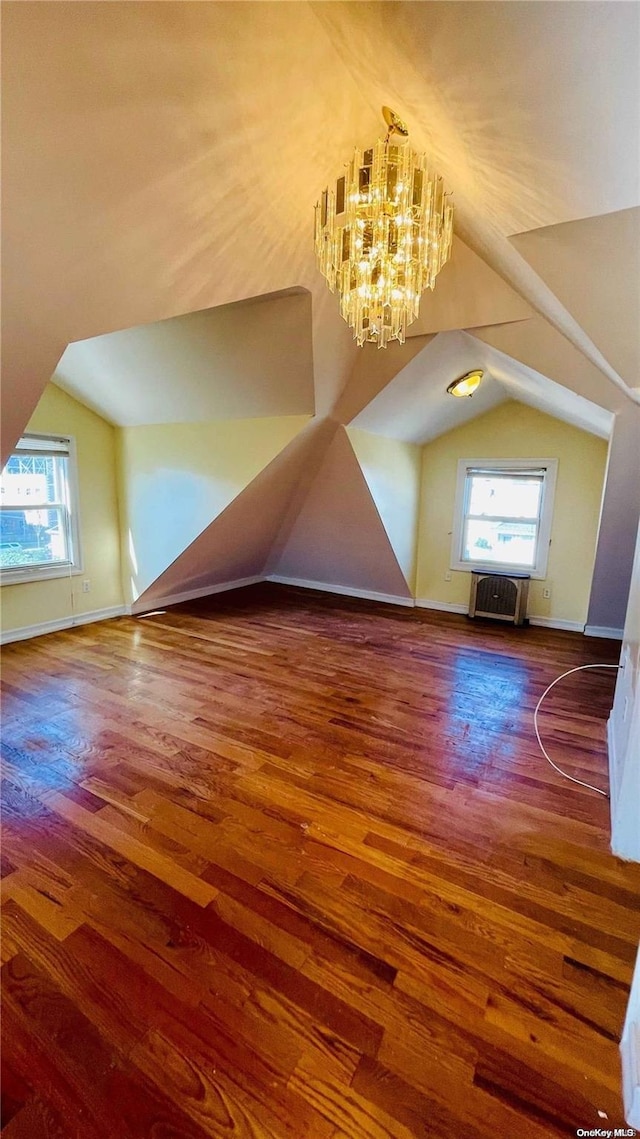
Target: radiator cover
x=499 y=595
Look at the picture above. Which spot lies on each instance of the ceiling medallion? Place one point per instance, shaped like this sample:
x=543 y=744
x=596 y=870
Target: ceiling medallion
x=467 y=384
x=383 y=234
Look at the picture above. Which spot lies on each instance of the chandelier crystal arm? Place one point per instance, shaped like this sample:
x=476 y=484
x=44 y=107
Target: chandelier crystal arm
x=383 y=235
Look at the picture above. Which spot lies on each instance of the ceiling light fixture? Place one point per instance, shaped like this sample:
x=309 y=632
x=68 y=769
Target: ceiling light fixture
x=467 y=384
x=383 y=235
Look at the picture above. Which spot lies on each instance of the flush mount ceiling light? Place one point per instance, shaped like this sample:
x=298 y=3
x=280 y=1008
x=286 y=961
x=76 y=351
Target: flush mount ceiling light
x=467 y=384
x=383 y=234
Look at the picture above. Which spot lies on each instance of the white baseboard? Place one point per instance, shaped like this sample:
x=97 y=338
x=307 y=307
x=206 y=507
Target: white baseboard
x=442 y=606
x=27 y=631
x=557 y=623
x=342 y=590
x=460 y=607
x=603 y=631
x=143 y=606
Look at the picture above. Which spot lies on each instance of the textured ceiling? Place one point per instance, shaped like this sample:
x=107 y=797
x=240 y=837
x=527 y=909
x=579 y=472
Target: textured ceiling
x=527 y=108
x=166 y=158
x=531 y=111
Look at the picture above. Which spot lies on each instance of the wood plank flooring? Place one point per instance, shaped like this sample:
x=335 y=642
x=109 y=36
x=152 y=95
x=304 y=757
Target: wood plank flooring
x=290 y=865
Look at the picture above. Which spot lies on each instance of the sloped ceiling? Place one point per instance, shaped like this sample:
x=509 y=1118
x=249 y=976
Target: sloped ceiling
x=539 y=346
x=528 y=386
x=528 y=108
x=166 y=158
x=531 y=112
x=414 y=406
x=162 y=159
x=468 y=293
x=241 y=360
x=593 y=267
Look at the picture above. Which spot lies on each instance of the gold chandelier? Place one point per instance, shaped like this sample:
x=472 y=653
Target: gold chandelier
x=383 y=235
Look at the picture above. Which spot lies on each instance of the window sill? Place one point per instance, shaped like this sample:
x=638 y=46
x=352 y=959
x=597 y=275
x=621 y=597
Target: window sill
x=485 y=567
x=22 y=577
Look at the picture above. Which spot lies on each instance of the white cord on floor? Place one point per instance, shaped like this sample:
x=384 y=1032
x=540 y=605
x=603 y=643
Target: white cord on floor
x=579 y=668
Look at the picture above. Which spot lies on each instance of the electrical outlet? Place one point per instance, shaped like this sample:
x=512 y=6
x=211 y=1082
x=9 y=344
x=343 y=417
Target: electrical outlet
x=86 y=585
x=546 y=593
x=447 y=576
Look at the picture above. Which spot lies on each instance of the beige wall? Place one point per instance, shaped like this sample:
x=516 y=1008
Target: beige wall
x=392 y=472
x=516 y=431
x=338 y=538
x=38 y=601
x=177 y=478
x=618 y=525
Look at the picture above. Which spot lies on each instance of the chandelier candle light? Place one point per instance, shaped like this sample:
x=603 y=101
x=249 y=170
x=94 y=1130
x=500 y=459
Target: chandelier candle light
x=383 y=235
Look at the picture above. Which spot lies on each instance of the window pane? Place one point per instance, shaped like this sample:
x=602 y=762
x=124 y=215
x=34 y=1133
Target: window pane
x=32 y=478
x=504 y=543
x=33 y=538
x=514 y=496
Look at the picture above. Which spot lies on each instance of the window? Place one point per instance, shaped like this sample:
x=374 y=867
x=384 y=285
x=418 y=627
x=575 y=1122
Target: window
x=38 y=511
x=503 y=515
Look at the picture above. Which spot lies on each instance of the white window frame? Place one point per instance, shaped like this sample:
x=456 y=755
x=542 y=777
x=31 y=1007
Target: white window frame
x=12 y=575
x=517 y=466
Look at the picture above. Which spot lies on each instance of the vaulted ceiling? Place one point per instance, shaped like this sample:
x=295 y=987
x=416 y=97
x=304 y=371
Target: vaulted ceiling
x=160 y=162
x=161 y=158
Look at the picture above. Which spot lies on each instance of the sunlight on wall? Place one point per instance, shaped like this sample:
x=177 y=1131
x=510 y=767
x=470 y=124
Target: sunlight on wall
x=132 y=553
x=176 y=478
x=392 y=471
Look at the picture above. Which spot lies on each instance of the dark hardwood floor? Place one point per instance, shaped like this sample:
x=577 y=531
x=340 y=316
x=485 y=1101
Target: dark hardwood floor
x=283 y=864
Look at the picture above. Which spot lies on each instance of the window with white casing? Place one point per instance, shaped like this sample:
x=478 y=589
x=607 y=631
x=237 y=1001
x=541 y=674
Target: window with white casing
x=503 y=515
x=39 y=528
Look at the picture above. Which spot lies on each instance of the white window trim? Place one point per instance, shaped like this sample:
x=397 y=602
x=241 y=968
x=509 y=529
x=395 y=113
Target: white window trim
x=13 y=576
x=539 y=570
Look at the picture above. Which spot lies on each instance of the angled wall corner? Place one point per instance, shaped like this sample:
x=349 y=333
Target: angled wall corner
x=593 y=267
x=237 y=544
x=538 y=345
x=468 y=293
x=618 y=526
x=392 y=471
x=529 y=386
x=320 y=435
x=373 y=370
x=414 y=405
x=175 y=479
x=338 y=537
